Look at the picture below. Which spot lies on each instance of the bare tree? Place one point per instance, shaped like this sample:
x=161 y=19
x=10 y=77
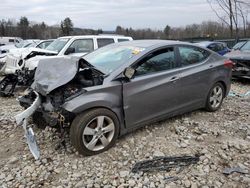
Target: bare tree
x=233 y=10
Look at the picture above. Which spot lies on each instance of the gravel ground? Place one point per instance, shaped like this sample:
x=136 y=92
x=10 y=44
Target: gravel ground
x=222 y=137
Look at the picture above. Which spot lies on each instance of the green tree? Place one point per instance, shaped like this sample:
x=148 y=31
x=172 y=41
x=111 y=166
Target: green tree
x=119 y=30
x=23 y=27
x=66 y=26
x=167 y=31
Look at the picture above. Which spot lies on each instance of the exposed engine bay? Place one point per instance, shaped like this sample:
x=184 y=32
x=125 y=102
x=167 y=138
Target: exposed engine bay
x=50 y=109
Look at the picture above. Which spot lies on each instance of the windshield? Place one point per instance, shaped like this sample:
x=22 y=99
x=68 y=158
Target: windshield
x=238 y=45
x=58 y=44
x=110 y=58
x=246 y=47
x=22 y=44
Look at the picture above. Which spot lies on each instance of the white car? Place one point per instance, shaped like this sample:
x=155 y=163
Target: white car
x=9 y=40
x=22 y=44
x=15 y=55
x=21 y=70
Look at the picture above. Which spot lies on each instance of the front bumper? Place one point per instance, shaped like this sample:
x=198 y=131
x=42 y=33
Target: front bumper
x=22 y=119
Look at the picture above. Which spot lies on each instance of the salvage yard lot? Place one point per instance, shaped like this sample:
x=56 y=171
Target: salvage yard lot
x=223 y=137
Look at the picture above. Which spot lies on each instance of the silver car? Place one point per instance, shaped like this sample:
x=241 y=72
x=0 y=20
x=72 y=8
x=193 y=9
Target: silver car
x=124 y=86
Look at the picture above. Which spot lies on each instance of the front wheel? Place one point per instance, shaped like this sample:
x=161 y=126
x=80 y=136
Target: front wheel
x=215 y=97
x=94 y=131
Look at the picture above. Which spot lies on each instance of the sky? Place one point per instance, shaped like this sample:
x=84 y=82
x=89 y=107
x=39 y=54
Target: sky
x=107 y=14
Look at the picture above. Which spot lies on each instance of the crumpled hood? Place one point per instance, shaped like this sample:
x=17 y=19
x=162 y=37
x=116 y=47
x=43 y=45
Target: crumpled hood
x=241 y=55
x=54 y=72
x=24 y=52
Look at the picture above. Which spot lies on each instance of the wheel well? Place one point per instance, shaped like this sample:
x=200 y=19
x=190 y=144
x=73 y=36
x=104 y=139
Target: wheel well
x=96 y=107
x=225 y=87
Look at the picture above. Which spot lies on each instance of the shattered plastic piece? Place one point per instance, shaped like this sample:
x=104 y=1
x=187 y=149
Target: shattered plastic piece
x=21 y=119
x=31 y=140
x=228 y=171
x=233 y=94
x=164 y=163
x=171 y=178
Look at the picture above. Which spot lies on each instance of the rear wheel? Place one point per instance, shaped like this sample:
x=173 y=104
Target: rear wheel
x=94 y=131
x=215 y=97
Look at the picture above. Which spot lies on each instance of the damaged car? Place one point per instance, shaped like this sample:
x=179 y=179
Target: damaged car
x=121 y=87
x=11 y=66
x=21 y=69
x=241 y=59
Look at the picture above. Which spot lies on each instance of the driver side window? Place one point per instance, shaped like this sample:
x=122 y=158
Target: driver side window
x=83 y=45
x=157 y=61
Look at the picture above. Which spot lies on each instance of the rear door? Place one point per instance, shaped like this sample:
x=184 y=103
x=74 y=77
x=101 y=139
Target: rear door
x=154 y=90
x=104 y=41
x=195 y=72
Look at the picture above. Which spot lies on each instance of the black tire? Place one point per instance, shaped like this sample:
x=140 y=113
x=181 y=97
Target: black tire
x=209 y=107
x=39 y=120
x=86 y=119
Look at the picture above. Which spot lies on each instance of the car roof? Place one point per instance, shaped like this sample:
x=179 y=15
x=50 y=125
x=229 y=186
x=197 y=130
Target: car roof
x=150 y=43
x=95 y=36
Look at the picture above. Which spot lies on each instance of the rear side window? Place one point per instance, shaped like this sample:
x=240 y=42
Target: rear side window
x=11 y=40
x=191 y=55
x=83 y=45
x=123 y=40
x=160 y=60
x=104 y=42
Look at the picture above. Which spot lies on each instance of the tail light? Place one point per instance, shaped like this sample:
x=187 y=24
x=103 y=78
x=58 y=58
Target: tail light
x=228 y=63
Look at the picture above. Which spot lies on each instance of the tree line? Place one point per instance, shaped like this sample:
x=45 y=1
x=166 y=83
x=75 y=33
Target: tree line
x=27 y=29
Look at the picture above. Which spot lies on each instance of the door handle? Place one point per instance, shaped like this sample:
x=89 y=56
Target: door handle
x=174 y=78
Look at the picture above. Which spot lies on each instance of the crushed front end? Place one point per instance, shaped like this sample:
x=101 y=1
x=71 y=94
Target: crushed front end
x=53 y=87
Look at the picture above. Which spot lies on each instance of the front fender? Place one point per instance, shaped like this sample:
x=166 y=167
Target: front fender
x=109 y=97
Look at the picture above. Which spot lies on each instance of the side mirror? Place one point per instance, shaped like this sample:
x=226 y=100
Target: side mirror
x=129 y=72
x=70 y=51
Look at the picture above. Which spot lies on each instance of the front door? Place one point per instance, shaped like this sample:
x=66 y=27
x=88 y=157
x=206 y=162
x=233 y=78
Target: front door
x=154 y=90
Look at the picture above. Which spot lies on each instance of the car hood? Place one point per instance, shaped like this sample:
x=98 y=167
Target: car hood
x=7 y=47
x=238 y=55
x=54 y=72
x=25 y=52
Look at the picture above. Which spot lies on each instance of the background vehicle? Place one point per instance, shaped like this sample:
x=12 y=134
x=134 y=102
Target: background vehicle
x=219 y=47
x=238 y=45
x=22 y=44
x=123 y=86
x=21 y=68
x=18 y=54
x=9 y=40
x=241 y=58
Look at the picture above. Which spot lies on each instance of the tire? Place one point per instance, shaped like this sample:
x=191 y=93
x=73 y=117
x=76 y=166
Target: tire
x=7 y=86
x=215 y=97
x=39 y=120
x=88 y=137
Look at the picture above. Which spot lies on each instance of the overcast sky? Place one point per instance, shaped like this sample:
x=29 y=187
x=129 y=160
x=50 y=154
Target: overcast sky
x=107 y=14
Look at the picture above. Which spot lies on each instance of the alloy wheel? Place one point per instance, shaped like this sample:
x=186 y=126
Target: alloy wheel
x=98 y=133
x=216 y=97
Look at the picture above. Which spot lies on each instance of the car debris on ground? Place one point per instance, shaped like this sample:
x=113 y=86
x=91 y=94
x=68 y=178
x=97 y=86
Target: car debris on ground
x=164 y=163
